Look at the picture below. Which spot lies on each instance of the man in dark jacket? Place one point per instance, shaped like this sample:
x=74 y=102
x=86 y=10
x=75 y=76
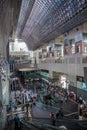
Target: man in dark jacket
x=17 y=122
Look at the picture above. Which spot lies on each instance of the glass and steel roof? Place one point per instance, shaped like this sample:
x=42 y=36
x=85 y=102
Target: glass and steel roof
x=48 y=19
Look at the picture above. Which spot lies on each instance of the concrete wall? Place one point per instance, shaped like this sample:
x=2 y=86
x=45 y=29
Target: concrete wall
x=8 y=22
x=72 y=69
x=5 y=26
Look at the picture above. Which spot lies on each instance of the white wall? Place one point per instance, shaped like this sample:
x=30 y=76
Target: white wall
x=70 y=69
x=71 y=34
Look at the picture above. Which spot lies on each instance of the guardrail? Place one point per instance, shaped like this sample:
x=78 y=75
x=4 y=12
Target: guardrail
x=45 y=124
x=26 y=125
x=0 y=123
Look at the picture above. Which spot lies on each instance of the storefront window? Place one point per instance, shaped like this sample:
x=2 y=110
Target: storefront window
x=63 y=82
x=58 y=50
x=85 y=47
x=84 y=37
x=85 y=42
x=67 y=48
x=78 y=46
x=72 y=45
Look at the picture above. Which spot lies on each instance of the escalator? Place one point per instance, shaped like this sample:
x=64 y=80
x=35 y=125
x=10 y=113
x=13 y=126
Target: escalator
x=0 y=123
x=37 y=125
x=49 y=99
x=45 y=124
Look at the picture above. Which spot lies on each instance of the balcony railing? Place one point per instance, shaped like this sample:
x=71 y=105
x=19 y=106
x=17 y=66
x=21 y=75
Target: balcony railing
x=67 y=59
x=52 y=60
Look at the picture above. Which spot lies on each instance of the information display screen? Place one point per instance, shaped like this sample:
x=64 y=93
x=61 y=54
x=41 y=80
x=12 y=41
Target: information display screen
x=84 y=87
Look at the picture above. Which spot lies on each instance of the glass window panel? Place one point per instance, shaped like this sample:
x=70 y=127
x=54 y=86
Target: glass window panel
x=84 y=37
x=47 y=15
x=72 y=45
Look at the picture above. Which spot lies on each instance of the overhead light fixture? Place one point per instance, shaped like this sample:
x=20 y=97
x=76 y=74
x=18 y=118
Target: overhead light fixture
x=77 y=29
x=65 y=34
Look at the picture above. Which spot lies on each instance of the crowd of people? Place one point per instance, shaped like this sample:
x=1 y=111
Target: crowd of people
x=16 y=99
x=26 y=95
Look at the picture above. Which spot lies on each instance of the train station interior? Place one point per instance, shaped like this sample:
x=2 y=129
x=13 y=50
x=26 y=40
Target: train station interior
x=43 y=64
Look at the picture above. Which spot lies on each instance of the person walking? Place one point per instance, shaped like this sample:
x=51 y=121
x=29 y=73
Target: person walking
x=52 y=117
x=57 y=114
x=61 y=115
x=17 y=122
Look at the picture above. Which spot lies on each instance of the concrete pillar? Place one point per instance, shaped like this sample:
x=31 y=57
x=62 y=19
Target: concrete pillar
x=80 y=109
x=50 y=74
x=62 y=51
x=4 y=116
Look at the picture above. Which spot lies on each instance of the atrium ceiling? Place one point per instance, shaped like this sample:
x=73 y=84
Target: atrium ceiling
x=43 y=20
x=9 y=14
